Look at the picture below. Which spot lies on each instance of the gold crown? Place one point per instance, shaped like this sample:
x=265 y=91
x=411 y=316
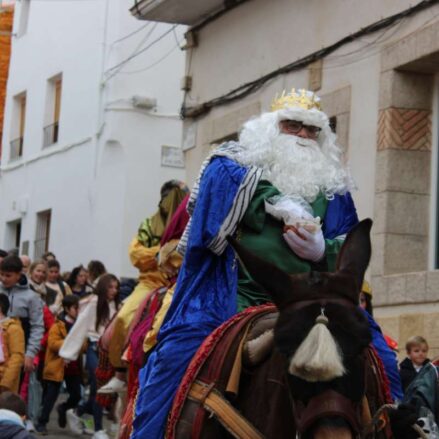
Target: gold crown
x=301 y=98
x=366 y=288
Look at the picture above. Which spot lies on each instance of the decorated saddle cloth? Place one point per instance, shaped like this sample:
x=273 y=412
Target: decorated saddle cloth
x=215 y=366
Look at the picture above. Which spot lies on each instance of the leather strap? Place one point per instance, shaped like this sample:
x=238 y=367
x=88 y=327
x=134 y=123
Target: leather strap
x=235 y=374
x=226 y=414
x=327 y=404
x=294 y=306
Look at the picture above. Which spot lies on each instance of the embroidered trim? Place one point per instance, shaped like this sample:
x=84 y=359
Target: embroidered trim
x=240 y=204
x=228 y=149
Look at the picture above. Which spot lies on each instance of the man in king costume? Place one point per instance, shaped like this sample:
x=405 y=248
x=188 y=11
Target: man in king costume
x=270 y=190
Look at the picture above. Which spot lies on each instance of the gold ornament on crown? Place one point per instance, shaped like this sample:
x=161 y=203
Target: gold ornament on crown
x=300 y=98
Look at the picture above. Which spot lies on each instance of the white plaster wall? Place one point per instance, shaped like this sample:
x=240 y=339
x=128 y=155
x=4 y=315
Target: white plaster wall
x=54 y=43
x=140 y=134
x=61 y=183
x=100 y=190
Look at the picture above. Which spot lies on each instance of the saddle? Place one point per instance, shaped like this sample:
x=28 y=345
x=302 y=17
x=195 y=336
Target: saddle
x=214 y=372
x=212 y=380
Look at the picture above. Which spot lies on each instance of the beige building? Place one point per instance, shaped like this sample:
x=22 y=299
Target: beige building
x=376 y=66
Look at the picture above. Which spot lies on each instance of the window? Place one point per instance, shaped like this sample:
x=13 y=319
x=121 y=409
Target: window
x=13 y=234
x=434 y=227
x=25 y=248
x=42 y=234
x=53 y=110
x=18 y=126
x=24 y=17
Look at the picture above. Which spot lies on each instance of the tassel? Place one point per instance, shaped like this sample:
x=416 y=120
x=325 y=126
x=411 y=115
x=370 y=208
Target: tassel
x=318 y=358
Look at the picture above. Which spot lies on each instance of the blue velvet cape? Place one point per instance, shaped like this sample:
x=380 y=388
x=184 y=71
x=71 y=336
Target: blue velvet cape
x=206 y=292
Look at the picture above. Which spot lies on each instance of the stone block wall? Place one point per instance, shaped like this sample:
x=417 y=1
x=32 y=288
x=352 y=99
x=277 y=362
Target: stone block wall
x=404 y=326
x=406 y=290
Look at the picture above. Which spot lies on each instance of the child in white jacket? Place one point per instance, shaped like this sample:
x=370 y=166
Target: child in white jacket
x=95 y=312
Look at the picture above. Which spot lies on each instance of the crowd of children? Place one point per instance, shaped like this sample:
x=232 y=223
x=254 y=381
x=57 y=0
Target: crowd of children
x=42 y=313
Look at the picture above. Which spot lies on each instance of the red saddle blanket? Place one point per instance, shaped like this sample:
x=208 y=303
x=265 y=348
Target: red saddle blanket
x=208 y=364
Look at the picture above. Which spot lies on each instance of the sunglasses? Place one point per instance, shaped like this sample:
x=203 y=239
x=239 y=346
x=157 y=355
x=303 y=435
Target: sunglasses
x=295 y=126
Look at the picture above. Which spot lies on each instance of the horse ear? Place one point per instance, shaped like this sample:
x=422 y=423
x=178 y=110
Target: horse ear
x=355 y=253
x=275 y=281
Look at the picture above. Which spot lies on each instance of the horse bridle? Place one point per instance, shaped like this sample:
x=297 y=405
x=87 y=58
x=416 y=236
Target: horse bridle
x=295 y=306
x=329 y=403
x=325 y=405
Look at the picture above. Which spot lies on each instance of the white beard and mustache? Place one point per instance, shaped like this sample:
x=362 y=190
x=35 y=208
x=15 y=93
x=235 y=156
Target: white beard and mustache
x=294 y=165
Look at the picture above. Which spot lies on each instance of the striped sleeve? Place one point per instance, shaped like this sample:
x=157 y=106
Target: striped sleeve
x=239 y=207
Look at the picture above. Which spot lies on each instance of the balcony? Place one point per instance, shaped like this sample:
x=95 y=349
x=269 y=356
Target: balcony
x=189 y=12
x=16 y=148
x=50 y=134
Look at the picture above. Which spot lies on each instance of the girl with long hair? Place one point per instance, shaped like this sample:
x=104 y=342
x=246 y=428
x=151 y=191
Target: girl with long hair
x=78 y=282
x=96 y=311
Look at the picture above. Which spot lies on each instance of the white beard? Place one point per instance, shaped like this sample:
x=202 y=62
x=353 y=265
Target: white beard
x=294 y=165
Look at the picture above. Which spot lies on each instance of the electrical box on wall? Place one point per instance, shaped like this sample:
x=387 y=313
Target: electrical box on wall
x=191 y=40
x=186 y=83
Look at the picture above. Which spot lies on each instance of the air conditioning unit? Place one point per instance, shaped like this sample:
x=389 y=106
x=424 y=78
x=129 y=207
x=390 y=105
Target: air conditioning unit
x=144 y=102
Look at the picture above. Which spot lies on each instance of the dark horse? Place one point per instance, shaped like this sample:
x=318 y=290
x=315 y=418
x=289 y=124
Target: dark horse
x=307 y=371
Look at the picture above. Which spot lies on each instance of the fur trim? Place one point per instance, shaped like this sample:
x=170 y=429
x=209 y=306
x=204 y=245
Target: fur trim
x=308 y=117
x=258 y=349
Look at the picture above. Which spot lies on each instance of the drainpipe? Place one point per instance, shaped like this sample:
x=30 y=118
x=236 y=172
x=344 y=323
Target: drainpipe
x=100 y=116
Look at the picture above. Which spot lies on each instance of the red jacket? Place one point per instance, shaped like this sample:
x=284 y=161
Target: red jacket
x=49 y=320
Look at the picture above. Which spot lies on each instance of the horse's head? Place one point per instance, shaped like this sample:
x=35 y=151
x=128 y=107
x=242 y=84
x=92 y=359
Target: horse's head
x=322 y=333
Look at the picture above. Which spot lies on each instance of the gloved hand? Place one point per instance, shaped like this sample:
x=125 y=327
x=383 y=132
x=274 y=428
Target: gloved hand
x=307 y=245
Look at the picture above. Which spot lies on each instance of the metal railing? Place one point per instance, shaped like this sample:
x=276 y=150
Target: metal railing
x=50 y=134
x=16 y=148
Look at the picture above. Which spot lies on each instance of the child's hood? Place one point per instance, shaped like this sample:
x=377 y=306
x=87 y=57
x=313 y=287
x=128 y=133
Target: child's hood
x=11 y=417
x=9 y=321
x=20 y=286
x=406 y=364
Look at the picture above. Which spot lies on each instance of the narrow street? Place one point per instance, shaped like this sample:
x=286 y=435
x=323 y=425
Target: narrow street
x=55 y=432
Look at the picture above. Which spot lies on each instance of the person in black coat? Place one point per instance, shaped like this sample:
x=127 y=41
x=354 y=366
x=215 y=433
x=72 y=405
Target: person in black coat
x=417 y=351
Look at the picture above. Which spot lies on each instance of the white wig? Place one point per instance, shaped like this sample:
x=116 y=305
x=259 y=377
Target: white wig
x=295 y=165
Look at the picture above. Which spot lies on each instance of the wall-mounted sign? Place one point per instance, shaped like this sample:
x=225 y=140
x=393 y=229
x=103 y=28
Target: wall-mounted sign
x=189 y=135
x=172 y=157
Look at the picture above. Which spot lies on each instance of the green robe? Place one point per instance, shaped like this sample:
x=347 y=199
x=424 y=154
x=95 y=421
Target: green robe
x=262 y=234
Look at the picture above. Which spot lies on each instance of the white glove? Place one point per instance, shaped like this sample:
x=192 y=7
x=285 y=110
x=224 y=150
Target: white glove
x=310 y=247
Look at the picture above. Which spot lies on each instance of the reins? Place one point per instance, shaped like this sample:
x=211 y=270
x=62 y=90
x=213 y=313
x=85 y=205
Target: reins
x=376 y=421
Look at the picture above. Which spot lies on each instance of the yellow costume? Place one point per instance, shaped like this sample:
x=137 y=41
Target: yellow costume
x=143 y=251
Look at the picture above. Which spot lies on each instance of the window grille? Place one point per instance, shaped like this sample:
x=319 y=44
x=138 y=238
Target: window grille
x=42 y=235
